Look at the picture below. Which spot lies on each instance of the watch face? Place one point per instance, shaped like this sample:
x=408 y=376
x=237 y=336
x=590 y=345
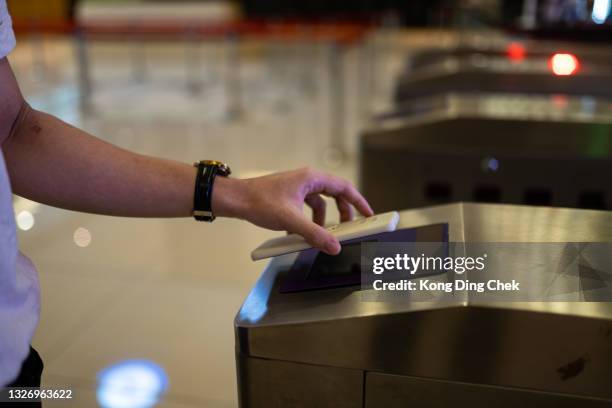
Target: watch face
x=225 y=170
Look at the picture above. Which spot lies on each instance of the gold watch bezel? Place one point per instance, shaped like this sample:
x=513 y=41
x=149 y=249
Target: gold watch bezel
x=222 y=168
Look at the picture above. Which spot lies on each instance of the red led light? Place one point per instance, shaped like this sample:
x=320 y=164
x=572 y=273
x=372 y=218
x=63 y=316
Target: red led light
x=564 y=64
x=516 y=52
x=560 y=101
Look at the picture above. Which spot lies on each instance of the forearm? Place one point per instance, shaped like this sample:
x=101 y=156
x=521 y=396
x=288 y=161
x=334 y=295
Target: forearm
x=54 y=163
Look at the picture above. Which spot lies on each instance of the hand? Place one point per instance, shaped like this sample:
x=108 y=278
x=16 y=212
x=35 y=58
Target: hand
x=276 y=202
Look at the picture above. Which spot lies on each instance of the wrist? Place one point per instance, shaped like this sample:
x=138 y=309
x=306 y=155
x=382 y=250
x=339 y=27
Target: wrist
x=229 y=197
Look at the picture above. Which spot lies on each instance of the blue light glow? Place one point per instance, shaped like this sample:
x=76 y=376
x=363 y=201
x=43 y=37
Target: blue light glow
x=490 y=164
x=131 y=384
x=255 y=306
x=601 y=10
x=493 y=164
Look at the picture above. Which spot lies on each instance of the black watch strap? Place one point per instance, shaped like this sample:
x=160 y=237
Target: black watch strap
x=205 y=180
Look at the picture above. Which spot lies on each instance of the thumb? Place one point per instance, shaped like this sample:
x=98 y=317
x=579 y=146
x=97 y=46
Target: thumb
x=317 y=236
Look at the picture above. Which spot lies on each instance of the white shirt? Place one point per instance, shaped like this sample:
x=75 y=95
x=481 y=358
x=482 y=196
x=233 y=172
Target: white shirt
x=7 y=37
x=19 y=290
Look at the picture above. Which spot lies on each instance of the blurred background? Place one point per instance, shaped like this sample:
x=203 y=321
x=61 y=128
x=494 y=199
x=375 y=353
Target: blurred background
x=417 y=102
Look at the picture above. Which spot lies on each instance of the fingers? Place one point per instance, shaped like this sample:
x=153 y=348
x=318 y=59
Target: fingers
x=338 y=188
x=355 y=198
x=317 y=236
x=345 y=210
x=318 y=205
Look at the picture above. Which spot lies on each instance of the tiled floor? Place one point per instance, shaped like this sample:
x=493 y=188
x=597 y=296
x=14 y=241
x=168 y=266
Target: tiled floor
x=167 y=290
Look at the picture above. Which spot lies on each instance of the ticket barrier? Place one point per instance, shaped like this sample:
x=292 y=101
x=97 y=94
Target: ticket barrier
x=552 y=151
x=492 y=70
x=513 y=50
x=318 y=344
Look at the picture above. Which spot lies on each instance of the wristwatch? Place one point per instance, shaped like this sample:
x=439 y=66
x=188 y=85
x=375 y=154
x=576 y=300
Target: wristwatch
x=208 y=170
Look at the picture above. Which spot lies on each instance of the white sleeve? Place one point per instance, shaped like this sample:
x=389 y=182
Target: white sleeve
x=7 y=37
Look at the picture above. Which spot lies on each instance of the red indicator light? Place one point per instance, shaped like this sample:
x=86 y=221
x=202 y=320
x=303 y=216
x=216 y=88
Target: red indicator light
x=564 y=64
x=560 y=101
x=516 y=52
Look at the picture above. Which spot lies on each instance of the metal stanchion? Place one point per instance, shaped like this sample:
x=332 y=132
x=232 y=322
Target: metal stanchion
x=233 y=83
x=192 y=61
x=364 y=77
x=335 y=153
x=83 y=72
x=306 y=81
x=138 y=58
x=39 y=65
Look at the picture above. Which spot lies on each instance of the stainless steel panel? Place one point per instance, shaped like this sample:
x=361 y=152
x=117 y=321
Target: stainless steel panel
x=392 y=391
x=474 y=79
x=526 y=345
x=278 y=384
x=495 y=346
x=467 y=223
